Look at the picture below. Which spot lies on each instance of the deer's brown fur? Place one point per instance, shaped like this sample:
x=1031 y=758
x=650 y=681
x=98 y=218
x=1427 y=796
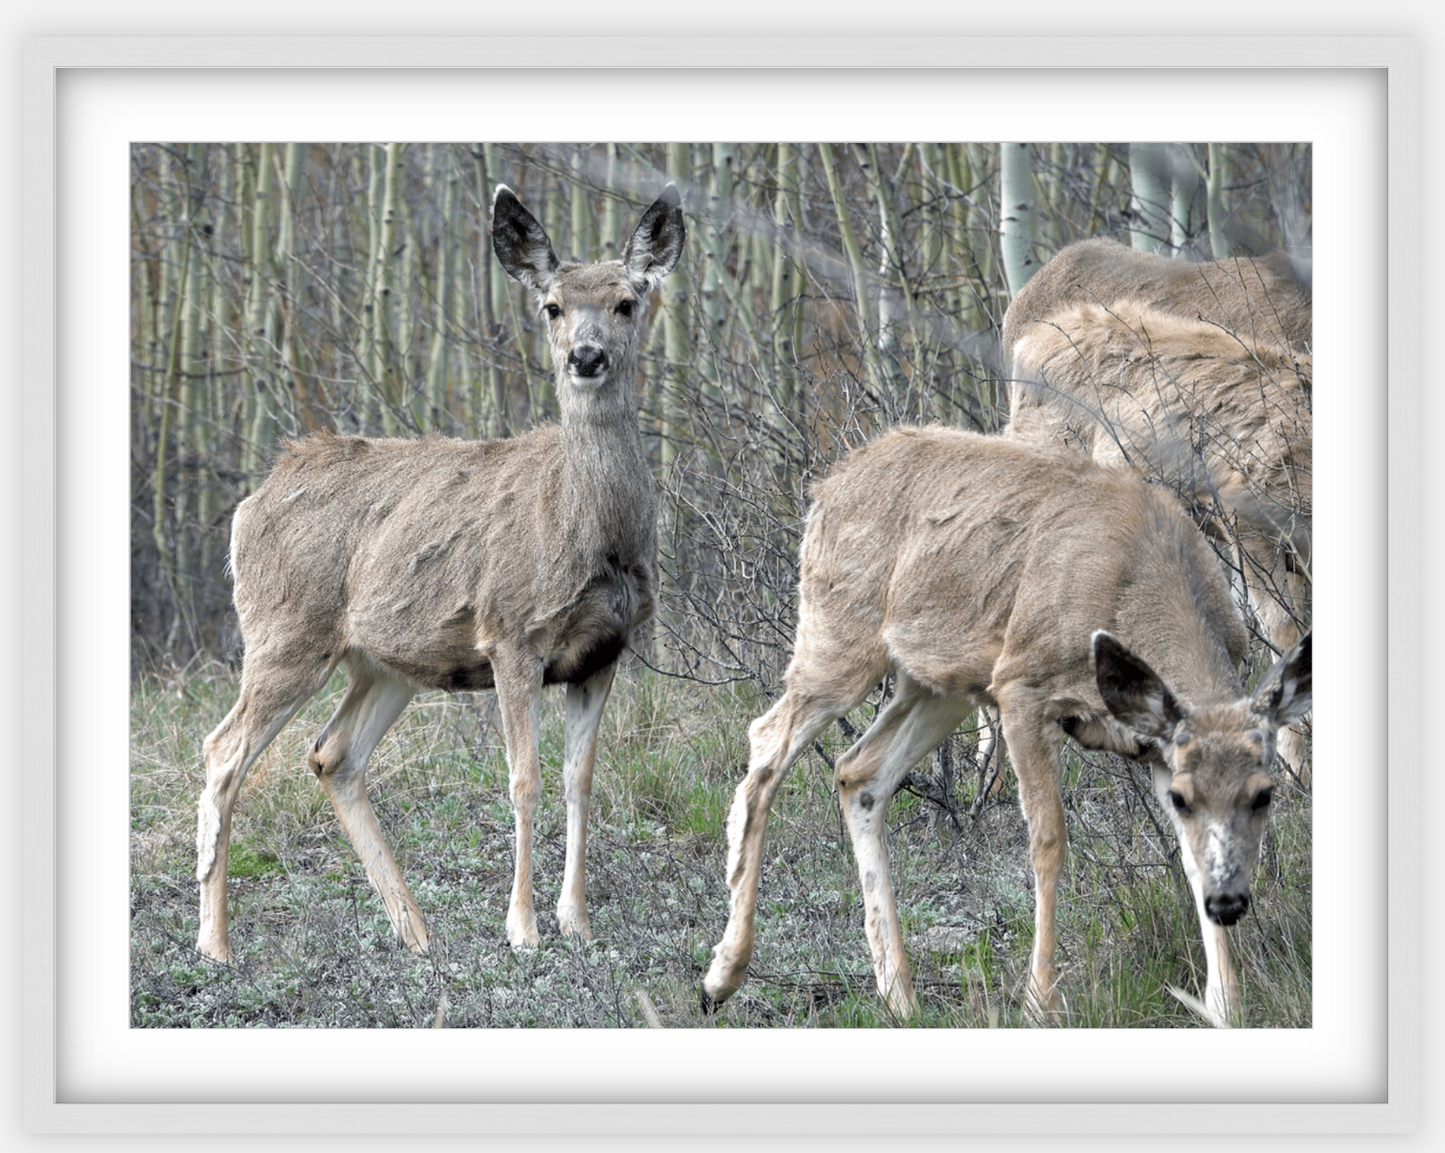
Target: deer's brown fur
x=457 y=565
x=1198 y=375
x=1072 y=598
x=1261 y=300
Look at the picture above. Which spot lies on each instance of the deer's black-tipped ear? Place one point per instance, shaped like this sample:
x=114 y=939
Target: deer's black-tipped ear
x=521 y=243
x=1132 y=691
x=655 y=247
x=1285 y=693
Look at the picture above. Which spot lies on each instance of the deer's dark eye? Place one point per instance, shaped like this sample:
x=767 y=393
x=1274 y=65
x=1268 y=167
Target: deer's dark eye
x=625 y=307
x=1261 y=799
x=1181 y=806
x=553 y=311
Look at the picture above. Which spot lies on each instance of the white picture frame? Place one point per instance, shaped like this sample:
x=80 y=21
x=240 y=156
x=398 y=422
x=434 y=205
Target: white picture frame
x=58 y=454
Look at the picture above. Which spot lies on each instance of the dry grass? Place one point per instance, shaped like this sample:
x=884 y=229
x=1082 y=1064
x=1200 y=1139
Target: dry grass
x=313 y=946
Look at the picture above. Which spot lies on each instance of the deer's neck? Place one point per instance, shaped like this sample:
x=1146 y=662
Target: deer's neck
x=607 y=487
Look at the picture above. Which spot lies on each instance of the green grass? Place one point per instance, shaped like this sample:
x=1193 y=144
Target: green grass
x=312 y=945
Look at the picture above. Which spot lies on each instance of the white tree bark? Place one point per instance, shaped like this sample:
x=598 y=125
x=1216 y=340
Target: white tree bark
x=1016 y=214
x=1149 y=176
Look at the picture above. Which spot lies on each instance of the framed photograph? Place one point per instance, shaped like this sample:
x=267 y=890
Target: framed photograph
x=105 y=116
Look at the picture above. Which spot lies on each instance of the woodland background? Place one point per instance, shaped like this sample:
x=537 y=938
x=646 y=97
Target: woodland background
x=826 y=291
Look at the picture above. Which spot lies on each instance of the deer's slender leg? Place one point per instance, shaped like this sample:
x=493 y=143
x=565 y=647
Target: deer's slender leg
x=583 y=714
x=519 y=700
x=1034 y=746
x=373 y=701
x=272 y=691
x=911 y=725
x=776 y=740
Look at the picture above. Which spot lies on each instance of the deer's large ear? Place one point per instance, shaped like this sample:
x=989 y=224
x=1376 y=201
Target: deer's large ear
x=1132 y=691
x=655 y=247
x=1285 y=693
x=521 y=243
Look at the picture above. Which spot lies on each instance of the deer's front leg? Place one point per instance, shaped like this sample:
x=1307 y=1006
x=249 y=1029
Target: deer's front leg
x=519 y=699
x=1034 y=745
x=583 y=715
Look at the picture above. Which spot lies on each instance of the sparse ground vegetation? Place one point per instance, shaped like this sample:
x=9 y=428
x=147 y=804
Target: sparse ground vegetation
x=314 y=948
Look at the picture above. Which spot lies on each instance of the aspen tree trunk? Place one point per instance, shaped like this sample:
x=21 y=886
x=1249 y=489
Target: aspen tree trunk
x=785 y=301
x=406 y=291
x=442 y=306
x=714 y=270
x=676 y=345
x=192 y=386
x=1016 y=214
x=496 y=301
x=369 y=403
x=892 y=293
x=383 y=369
x=291 y=280
x=1184 y=211
x=610 y=243
x=861 y=288
x=1101 y=171
x=170 y=398
x=952 y=170
x=345 y=289
x=220 y=313
x=1149 y=177
x=581 y=205
x=935 y=191
x=976 y=165
x=257 y=345
x=1218 y=237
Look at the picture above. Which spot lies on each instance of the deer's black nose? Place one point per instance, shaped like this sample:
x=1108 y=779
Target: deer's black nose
x=1226 y=908
x=587 y=360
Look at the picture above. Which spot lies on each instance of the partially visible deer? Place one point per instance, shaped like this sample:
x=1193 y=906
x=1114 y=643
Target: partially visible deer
x=1261 y=300
x=1073 y=598
x=1197 y=375
x=457 y=565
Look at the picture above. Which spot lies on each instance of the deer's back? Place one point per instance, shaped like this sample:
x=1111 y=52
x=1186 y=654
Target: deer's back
x=965 y=558
x=1259 y=299
x=1183 y=401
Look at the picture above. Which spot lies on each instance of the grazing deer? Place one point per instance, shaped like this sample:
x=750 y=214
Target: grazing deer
x=456 y=565
x=1071 y=597
x=1196 y=374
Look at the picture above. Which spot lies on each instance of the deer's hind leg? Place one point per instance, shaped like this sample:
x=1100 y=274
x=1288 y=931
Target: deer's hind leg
x=819 y=691
x=584 y=706
x=373 y=701
x=910 y=726
x=273 y=689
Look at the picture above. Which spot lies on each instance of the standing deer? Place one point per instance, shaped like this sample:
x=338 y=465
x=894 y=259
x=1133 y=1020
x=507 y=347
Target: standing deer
x=1197 y=375
x=1071 y=597
x=456 y=565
